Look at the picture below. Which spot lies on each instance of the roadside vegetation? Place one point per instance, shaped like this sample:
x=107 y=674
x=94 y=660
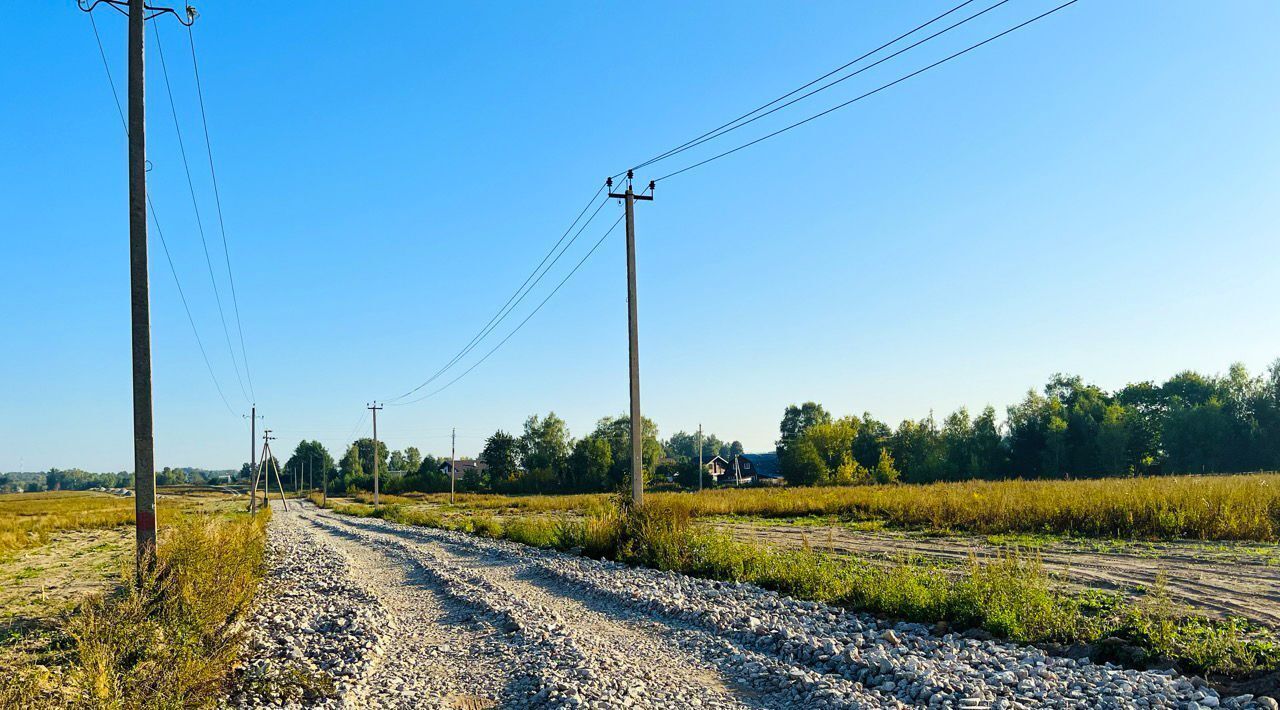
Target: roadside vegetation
x=1243 y=507
x=1012 y=597
x=172 y=641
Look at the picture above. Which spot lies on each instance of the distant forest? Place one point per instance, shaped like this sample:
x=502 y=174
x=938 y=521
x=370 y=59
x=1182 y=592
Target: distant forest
x=74 y=479
x=1192 y=423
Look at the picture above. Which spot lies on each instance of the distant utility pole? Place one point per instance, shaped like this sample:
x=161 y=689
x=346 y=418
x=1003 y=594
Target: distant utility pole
x=267 y=463
x=253 y=442
x=374 y=408
x=637 y=424
x=699 y=456
x=453 y=462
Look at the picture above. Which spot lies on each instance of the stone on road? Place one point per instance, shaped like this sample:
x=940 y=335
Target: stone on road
x=363 y=612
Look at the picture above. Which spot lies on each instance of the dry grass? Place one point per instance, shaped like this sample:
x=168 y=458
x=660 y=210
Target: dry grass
x=1237 y=507
x=1243 y=507
x=27 y=519
x=172 y=642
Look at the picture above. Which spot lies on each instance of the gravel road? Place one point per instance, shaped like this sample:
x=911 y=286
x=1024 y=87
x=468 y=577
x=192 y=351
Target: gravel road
x=367 y=613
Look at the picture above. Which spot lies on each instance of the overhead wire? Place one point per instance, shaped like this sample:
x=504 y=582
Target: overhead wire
x=718 y=133
x=217 y=200
x=526 y=318
x=867 y=94
x=518 y=295
x=688 y=144
x=155 y=219
x=195 y=206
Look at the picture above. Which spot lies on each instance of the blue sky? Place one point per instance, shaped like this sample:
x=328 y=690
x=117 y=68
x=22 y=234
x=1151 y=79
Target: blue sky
x=1094 y=194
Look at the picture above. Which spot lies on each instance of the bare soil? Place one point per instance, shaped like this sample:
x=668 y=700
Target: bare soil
x=1217 y=579
x=37 y=583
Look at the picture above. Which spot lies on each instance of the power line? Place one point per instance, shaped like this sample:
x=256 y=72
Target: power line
x=155 y=219
x=526 y=318
x=195 y=205
x=718 y=133
x=717 y=130
x=869 y=93
x=517 y=297
x=217 y=199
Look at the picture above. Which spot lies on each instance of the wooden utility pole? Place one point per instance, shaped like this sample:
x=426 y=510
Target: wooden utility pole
x=637 y=423
x=144 y=467
x=699 y=457
x=374 y=408
x=453 y=463
x=324 y=483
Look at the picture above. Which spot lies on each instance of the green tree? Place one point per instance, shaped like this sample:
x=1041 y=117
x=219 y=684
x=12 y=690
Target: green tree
x=589 y=465
x=365 y=447
x=351 y=466
x=884 y=472
x=798 y=418
x=802 y=465
x=545 y=445
x=309 y=461
x=501 y=454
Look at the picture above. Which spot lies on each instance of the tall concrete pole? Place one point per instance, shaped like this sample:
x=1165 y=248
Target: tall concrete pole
x=699 y=457
x=453 y=463
x=144 y=466
x=633 y=340
x=374 y=407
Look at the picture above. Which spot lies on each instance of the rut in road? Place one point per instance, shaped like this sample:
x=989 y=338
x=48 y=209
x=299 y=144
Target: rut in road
x=633 y=658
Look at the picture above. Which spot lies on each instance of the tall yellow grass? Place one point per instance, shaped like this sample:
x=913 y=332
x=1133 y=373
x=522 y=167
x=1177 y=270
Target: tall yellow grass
x=1236 y=507
x=27 y=519
x=1242 y=507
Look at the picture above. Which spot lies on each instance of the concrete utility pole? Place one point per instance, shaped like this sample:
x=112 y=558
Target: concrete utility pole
x=453 y=462
x=144 y=467
x=699 y=457
x=374 y=408
x=637 y=423
x=253 y=442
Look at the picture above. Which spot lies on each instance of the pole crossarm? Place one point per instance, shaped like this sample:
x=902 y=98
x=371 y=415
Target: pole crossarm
x=122 y=6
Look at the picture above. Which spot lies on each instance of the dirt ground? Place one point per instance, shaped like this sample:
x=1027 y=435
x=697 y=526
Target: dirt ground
x=1218 y=579
x=37 y=583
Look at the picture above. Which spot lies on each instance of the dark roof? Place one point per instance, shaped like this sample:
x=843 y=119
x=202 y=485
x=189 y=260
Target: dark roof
x=766 y=464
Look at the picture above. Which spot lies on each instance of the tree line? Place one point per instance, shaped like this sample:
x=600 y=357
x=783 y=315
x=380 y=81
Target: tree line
x=1191 y=423
x=541 y=458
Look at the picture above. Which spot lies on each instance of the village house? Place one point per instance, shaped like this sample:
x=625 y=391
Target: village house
x=464 y=467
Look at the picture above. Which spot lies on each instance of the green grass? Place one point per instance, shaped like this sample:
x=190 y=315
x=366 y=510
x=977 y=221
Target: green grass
x=1012 y=597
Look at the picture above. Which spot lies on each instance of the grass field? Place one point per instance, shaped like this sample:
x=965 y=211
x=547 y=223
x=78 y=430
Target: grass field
x=1236 y=507
x=28 y=519
x=1012 y=596
x=95 y=640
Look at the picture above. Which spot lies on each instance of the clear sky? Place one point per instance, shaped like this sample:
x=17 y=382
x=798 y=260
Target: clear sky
x=1096 y=194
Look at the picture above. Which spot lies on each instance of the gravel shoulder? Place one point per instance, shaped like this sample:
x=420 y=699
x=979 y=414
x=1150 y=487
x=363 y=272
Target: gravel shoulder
x=1222 y=579
x=375 y=614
